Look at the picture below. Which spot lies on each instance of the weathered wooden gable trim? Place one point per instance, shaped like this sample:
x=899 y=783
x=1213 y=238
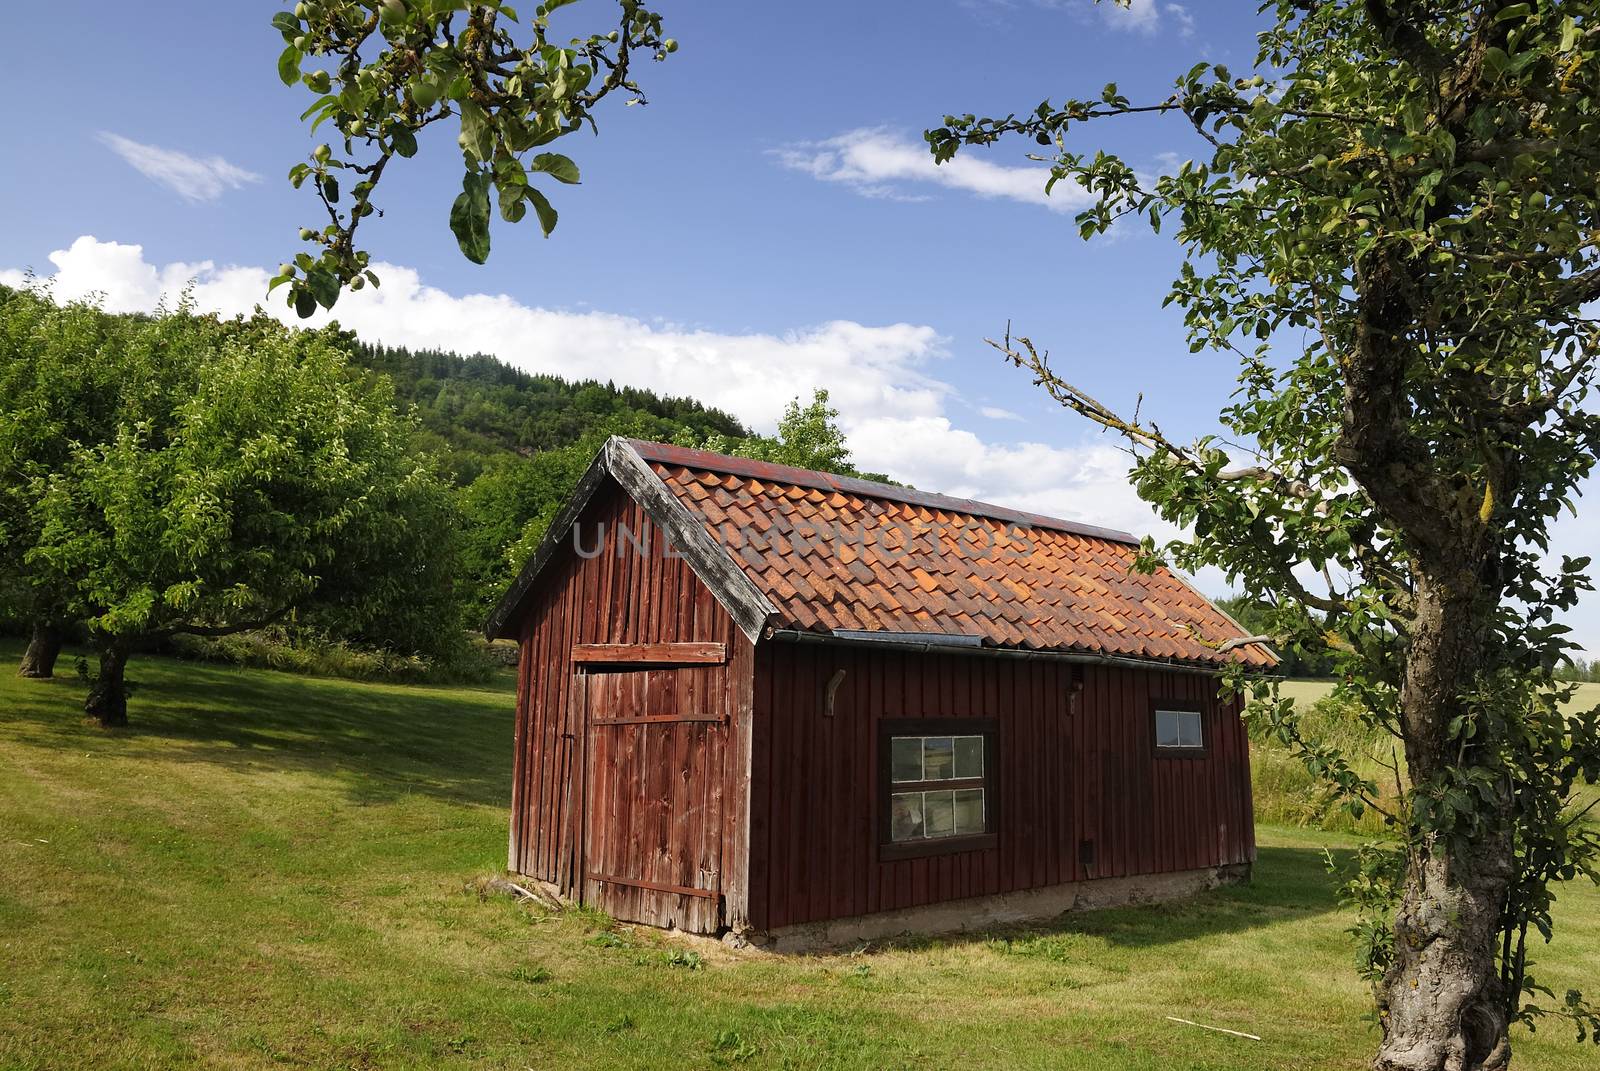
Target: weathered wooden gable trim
x=618 y=459
x=655 y=654
x=711 y=562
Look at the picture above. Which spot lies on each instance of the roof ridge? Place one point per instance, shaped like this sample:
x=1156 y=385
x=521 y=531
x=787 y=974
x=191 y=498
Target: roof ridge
x=710 y=461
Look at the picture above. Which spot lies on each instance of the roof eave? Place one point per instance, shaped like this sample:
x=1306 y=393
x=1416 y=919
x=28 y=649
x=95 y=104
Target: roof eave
x=803 y=636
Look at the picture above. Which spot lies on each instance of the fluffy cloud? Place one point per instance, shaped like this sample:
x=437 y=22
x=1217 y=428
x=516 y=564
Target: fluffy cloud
x=191 y=177
x=882 y=378
x=876 y=162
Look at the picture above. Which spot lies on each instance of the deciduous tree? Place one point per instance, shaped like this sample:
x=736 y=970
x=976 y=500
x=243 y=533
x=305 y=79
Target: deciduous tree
x=250 y=476
x=1395 y=228
x=383 y=71
x=60 y=385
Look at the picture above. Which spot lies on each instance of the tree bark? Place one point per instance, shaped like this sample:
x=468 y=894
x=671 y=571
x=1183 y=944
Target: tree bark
x=1442 y=1002
x=108 y=695
x=39 y=660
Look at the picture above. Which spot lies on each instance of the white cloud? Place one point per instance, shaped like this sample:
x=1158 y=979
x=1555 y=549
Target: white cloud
x=1139 y=16
x=883 y=379
x=994 y=412
x=1143 y=16
x=191 y=177
x=876 y=162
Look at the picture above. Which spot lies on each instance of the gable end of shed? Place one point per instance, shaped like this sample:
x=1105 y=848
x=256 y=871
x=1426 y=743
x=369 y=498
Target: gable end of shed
x=618 y=462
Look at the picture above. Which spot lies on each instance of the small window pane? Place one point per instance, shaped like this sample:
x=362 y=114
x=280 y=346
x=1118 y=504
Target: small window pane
x=969 y=756
x=1189 y=729
x=938 y=813
x=1167 y=734
x=938 y=758
x=905 y=816
x=907 y=758
x=969 y=811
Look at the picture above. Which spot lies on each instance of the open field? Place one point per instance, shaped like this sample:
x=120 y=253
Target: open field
x=268 y=870
x=1309 y=691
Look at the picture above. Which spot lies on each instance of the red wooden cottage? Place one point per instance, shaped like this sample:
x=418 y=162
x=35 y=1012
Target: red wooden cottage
x=811 y=709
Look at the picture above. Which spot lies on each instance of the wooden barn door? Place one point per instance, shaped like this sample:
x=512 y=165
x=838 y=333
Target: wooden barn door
x=652 y=840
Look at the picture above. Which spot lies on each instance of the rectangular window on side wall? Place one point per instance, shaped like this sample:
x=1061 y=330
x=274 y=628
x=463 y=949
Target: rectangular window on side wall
x=936 y=785
x=1179 y=728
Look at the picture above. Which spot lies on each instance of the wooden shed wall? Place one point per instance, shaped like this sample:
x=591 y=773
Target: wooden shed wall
x=616 y=598
x=1071 y=768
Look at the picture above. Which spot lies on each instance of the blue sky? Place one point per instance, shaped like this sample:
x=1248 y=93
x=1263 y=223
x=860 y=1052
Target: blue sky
x=768 y=224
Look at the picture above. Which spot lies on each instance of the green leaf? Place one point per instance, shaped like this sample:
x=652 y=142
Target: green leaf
x=324 y=287
x=477 y=133
x=545 y=211
x=556 y=166
x=469 y=217
x=320 y=102
x=405 y=143
x=289 y=66
x=285 y=23
x=512 y=205
x=304 y=303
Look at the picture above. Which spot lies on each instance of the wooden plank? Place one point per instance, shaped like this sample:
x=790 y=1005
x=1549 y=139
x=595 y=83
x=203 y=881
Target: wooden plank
x=654 y=719
x=654 y=886
x=665 y=654
x=735 y=805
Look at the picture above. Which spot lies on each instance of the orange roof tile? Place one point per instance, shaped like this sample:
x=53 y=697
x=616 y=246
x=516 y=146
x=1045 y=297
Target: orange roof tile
x=831 y=552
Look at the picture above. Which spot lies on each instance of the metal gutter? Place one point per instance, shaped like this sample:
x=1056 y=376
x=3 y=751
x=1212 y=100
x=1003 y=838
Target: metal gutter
x=789 y=635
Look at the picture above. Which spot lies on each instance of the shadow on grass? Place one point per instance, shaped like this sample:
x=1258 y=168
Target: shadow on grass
x=379 y=741
x=1288 y=884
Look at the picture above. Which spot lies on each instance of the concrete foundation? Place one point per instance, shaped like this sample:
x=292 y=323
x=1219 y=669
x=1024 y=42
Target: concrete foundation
x=987 y=912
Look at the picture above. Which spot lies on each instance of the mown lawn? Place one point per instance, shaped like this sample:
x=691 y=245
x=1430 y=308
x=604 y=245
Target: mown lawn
x=268 y=870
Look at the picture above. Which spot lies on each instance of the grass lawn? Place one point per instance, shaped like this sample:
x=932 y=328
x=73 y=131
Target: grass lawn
x=268 y=870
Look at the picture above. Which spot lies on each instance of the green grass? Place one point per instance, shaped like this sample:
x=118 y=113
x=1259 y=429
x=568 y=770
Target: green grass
x=1309 y=691
x=1286 y=792
x=269 y=870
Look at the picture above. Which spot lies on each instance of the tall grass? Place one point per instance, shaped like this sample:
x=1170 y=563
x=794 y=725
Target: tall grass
x=1288 y=793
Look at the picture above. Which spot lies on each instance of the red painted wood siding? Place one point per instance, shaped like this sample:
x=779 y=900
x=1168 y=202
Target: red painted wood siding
x=617 y=598
x=1070 y=769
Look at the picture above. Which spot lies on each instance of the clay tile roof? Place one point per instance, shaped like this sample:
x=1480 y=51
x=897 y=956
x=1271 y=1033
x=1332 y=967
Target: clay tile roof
x=836 y=556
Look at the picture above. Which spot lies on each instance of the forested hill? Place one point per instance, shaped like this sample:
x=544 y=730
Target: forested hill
x=482 y=408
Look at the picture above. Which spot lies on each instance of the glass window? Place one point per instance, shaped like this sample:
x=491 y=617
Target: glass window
x=969 y=811
x=945 y=793
x=938 y=758
x=905 y=816
x=1179 y=729
x=969 y=756
x=907 y=758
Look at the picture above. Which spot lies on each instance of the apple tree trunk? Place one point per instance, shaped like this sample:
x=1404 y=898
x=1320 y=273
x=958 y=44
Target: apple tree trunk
x=39 y=660
x=1442 y=1002
x=108 y=694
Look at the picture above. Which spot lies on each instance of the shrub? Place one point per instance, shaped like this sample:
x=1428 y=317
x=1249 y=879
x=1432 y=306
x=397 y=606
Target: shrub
x=315 y=654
